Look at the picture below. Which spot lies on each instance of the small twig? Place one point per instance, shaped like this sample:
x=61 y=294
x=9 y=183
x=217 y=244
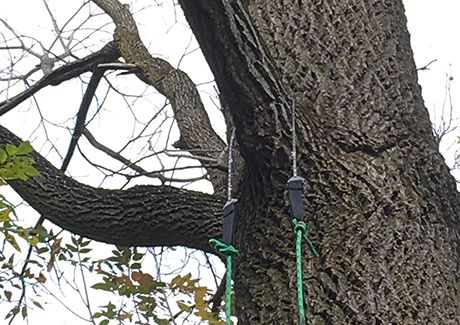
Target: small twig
x=117 y=66
x=23 y=270
x=141 y=171
x=200 y=158
x=426 y=66
x=11 y=48
x=55 y=25
x=85 y=290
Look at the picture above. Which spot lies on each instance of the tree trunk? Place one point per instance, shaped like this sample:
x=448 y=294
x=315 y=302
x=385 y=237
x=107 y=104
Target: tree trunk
x=381 y=203
x=382 y=208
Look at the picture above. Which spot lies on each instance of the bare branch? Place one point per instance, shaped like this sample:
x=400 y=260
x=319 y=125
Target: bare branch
x=141 y=171
x=107 y=54
x=426 y=66
x=81 y=116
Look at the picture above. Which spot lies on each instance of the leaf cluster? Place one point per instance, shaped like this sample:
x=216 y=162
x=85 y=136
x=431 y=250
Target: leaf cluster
x=122 y=275
x=17 y=163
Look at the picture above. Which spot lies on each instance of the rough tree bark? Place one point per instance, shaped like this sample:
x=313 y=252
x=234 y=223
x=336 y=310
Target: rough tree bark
x=382 y=206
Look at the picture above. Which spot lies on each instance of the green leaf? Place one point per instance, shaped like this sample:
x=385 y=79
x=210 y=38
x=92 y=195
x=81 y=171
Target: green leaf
x=8 y=295
x=161 y=321
x=39 y=305
x=85 y=243
x=3 y=156
x=71 y=248
x=74 y=240
x=97 y=314
x=136 y=266
x=138 y=256
x=24 y=312
x=24 y=148
x=104 y=322
x=12 y=312
x=40 y=231
x=31 y=171
x=102 y=286
x=33 y=240
x=42 y=250
x=11 y=149
x=184 y=307
x=10 y=239
x=5 y=215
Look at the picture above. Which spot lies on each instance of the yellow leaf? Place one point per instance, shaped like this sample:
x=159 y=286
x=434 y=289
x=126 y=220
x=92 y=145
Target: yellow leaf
x=33 y=240
x=175 y=281
x=5 y=215
x=10 y=239
x=184 y=307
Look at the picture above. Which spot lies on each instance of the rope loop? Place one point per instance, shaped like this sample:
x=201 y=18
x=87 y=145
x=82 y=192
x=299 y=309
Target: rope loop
x=230 y=252
x=300 y=226
x=224 y=248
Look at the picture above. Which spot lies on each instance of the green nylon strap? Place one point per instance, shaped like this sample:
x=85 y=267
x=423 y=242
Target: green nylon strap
x=301 y=231
x=229 y=251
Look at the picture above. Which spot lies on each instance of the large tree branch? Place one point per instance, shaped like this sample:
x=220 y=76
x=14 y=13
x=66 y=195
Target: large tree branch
x=107 y=54
x=192 y=119
x=139 y=216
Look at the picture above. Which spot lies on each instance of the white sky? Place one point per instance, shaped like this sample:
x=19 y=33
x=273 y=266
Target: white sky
x=433 y=25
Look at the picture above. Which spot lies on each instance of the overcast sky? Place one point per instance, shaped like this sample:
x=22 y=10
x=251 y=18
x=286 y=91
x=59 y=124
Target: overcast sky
x=434 y=27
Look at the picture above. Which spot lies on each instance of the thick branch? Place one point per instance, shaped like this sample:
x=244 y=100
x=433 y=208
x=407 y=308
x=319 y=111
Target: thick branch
x=176 y=85
x=107 y=54
x=139 y=216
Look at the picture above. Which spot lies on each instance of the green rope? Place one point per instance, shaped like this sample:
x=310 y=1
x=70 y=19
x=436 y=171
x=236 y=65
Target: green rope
x=229 y=251
x=301 y=230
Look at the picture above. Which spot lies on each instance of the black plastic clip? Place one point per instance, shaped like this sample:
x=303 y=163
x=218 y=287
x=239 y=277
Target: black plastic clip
x=229 y=222
x=295 y=187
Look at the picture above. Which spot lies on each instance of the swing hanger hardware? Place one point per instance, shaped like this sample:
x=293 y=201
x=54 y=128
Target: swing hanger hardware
x=295 y=189
x=225 y=246
x=229 y=207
